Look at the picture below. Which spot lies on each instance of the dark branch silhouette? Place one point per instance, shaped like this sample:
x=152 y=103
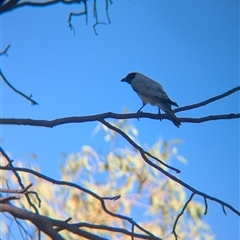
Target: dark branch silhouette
x=102 y=116
x=193 y=190
x=73 y=185
x=16 y=191
x=52 y=227
x=179 y=215
x=4 y=52
x=175 y=179
x=29 y=98
x=15 y=4
x=9 y=198
x=147 y=157
x=97 y=117
x=210 y=100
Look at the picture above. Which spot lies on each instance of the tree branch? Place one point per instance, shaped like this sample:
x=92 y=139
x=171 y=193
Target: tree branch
x=175 y=179
x=65 y=183
x=14 y=4
x=22 y=191
x=179 y=215
x=29 y=98
x=10 y=165
x=9 y=198
x=4 y=52
x=210 y=100
x=102 y=116
x=51 y=226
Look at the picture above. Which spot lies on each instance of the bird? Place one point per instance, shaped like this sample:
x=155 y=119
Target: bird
x=152 y=92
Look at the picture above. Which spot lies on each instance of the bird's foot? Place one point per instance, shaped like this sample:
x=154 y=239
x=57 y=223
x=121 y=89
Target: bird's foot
x=159 y=113
x=139 y=111
x=160 y=116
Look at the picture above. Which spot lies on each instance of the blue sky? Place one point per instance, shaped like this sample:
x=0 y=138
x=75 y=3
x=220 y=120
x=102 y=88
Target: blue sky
x=190 y=47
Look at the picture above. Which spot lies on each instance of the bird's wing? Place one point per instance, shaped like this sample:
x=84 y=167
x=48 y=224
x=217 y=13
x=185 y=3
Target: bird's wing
x=151 y=89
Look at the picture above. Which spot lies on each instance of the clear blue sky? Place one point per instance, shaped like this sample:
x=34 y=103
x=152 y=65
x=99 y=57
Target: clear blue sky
x=190 y=47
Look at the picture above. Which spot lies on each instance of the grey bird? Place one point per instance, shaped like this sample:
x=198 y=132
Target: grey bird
x=152 y=92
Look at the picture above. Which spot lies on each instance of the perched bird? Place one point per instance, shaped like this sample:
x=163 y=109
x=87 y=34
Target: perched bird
x=152 y=92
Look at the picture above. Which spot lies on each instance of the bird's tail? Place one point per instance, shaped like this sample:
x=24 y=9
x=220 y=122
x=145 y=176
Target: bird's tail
x=173 y=117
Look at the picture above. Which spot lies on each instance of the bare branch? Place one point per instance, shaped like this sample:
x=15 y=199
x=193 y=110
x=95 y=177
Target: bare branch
x=175 y=179
x=109 y=20
x=179 y=215
x=10 y=165
x=163 y=163
x=4 y=52
x=41 y=222
x=206 y=206
x=85 y=12
x=22 y=228
x=18 y=92
x=112 y=229
x=102 y=116
x=14 y=4
x=17 y=190
x=37 y=196
x=65 y=183
x=112 y=198
x=9 y=198
x=47 y=225
x=210 y=100
x=95 y=15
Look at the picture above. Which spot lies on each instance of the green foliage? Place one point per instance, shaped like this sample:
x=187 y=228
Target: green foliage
x=147 y=196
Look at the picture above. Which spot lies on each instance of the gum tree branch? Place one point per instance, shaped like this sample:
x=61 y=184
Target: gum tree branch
x=10 y=165
x=179 y=215
x=21 y=191
x=29 y=98
x=9 y=198
x=4 y=52
x=210 y=100
x=52 y=227
x=103 y=116
x=73 y=185
x=172 y=177
x=15 y=4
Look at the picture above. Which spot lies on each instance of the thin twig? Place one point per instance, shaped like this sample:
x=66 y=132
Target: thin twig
x=85 y=12
x=65 y=183
x=4 y=52
x=16 y=190
x=107 y=13
x=179 y=215
x=206 y=206
x=10 y=166
x=29 y=98
x=175 y=179
x=13 y=4
x=9 y=198
x=210 y=100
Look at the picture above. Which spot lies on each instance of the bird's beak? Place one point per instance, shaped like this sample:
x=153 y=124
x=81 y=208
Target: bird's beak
x=123 y=80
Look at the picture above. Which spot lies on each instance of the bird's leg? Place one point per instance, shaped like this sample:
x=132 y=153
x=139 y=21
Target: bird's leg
x=159 y=113
x=139 y=110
